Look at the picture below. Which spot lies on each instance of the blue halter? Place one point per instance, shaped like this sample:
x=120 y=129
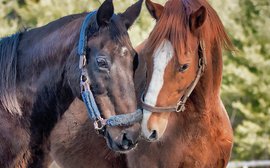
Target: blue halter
x=89 y=27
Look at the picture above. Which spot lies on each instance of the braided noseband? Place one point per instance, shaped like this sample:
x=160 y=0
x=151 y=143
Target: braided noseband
x=89 y=27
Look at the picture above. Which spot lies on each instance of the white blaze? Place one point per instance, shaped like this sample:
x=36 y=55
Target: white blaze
x=162 y=56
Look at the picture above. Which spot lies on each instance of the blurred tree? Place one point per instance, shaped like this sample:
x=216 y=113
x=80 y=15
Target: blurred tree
x=33 y=13
x=20 y=14
x=246 y=81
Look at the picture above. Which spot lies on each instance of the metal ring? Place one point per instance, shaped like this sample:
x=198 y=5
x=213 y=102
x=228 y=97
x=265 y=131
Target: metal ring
x=180 y=107
x=99 y=124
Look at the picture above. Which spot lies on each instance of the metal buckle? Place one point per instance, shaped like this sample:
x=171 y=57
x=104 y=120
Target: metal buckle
x=82 y=61
x=201 y=62
x=180 y=107
x=84 y=87
x=85 y=83
x=202 y=44
x=99 y=124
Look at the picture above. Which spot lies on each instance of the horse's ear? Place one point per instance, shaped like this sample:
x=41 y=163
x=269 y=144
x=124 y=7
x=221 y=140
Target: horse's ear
x=154 y=9
x=131 y=14
x=105 y=13
x=197 y=18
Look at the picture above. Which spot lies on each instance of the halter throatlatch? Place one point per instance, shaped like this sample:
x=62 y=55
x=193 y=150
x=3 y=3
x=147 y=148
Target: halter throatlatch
x=180 y=106
x=87 y=95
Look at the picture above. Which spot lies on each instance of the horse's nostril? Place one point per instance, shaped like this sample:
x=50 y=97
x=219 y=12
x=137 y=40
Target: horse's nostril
x=126 y=143
x=153 y=135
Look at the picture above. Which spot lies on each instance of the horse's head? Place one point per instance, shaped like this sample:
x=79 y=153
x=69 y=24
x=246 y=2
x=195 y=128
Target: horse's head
x=110 y=63
x=172 y=54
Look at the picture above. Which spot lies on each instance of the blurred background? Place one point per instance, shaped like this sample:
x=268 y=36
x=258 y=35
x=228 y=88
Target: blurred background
x=246 y=77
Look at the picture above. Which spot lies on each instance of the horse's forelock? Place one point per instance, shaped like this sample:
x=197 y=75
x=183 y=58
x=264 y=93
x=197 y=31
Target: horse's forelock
x=174 y=26
x=118 y=31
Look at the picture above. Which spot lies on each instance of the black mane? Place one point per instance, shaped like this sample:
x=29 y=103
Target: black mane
x=8 y=73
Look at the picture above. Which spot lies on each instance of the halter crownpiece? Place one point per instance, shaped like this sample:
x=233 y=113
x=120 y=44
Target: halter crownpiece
x=90 y=26
x=180 y=106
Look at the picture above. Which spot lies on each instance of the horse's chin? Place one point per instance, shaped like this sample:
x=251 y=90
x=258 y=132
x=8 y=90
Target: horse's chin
x=119 y=149
x=126 y=151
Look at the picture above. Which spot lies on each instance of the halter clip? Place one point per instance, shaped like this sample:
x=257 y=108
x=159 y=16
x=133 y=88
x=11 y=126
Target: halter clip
x=180 y=107
x=99 y=124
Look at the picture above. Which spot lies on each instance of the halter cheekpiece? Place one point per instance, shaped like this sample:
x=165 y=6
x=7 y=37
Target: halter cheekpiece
x=89 y=27
x=180 y=106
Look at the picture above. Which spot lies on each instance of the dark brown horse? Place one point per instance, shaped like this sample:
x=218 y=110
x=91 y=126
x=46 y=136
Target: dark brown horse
x=40 y=78
x=183 y=62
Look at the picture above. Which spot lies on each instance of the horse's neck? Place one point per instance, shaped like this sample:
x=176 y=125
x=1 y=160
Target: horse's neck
x=43 y=89
x=42 y=52
x=47 y=47
x=52 y=100
x=207 y=90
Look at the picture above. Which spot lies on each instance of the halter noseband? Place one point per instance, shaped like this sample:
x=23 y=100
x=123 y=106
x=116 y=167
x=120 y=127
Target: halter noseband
x=180 y=106
x=87 y=95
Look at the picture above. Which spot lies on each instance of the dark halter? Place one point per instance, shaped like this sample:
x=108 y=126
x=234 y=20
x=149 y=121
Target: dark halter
x=89 y=27
x=180 y=106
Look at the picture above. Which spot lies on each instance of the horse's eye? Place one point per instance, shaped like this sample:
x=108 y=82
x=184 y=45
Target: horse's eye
x=183 y=67
x=102 y=63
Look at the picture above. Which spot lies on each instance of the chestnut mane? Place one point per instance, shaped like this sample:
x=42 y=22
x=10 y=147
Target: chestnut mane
x=174 y=26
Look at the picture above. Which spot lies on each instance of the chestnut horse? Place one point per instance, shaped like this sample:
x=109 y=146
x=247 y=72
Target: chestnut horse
x=40 y=77
x=184 y=119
